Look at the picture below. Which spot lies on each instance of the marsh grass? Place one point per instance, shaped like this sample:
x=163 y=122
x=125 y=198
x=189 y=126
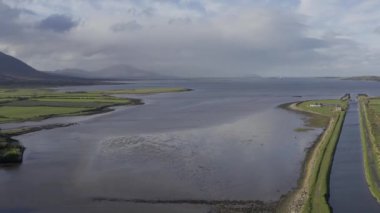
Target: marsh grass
x=18 y=105
x=301 y=129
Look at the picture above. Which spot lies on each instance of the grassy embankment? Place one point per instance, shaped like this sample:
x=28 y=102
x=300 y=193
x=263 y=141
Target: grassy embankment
x=370 y=137
x=313 y=187
x=18 y=105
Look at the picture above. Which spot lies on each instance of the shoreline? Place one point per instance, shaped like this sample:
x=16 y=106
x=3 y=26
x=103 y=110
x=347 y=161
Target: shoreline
x=300 y=198
x=294 y=200
x=12 y=151
x=96 y=111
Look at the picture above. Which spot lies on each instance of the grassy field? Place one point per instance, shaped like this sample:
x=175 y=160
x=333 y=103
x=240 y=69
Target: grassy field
x=328 y=110
x=370 y=137
x=18 y=105
x=313 y=190
x=27 y=105
x=144 y=91
x=22 y=113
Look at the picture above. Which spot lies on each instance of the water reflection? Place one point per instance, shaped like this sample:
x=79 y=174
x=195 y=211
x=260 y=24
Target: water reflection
x=239 y=160
x=224 y=140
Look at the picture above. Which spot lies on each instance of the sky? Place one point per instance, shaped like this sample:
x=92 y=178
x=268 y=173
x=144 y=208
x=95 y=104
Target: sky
x=194 y=38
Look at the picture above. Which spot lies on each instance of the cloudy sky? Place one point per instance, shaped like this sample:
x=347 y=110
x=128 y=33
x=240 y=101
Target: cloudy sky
x=197 y=38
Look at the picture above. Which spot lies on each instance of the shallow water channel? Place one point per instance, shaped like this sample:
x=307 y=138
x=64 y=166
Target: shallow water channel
x=348 y=188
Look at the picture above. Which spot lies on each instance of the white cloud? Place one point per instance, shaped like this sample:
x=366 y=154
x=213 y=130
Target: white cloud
x=319 y=8
x=188 y=37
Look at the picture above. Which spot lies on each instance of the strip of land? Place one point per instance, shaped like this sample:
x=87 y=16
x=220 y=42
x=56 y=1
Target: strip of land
x=312 y=192
x=20 y=105
x=370 y=137
x=363 y=78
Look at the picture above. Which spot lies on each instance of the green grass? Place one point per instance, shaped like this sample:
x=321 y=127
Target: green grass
x=8 y=132
x=325 y=110
x=320 y=115
x=11 y=154
x=33 y=104
x=370 y=142
x=11 y=151
x=302 y=129
x=19 y=93
x=14 y=113
x=143 y=91
x=2 y=100
x=317 y=201
x=83 y=99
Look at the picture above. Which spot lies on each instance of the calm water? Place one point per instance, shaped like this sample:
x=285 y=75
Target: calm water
x=224 y=140
x=348 y=188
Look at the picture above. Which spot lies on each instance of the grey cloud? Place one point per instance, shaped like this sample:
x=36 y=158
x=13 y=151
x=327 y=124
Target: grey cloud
x=9 y=24
x=126 y=26
x=58 y=23
x=199 y=50
x=9 y=12
x=377 y=30
x=180 y=21
x=196 y=50
x=224 y=44
x=195 y=5
x=147 y=12
x=170 y=1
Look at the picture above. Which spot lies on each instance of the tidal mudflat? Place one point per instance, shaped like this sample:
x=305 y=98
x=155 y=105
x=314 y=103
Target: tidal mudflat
x=225 y=140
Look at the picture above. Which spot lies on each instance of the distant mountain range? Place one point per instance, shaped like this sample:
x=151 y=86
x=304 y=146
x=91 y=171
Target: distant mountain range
x=15 y=71
x=12 y=69
x=117 y=72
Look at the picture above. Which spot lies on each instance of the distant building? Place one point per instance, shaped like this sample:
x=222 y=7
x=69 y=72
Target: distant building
x=316 y=105
x=337 y=106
